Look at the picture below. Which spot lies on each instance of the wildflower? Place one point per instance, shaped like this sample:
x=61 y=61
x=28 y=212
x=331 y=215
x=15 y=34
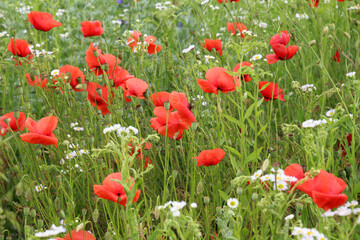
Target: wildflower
x=244 y=65
x=337 y=56
x=9 y=121
x=330 y=113
x=42 y=21
x=95 y=59
x=91 y=28
x=98 y=97
x=193 y=205
x=268 y=177
x=232 y=203
x=213 y=44
x=280 y=185
x=78 y=129
x=40 y=187
x=240 y=26
x=160 y=98
x=41 y=131
x=308 y=87
x=54 y=230
x=350 y=74
x=136 y=88
x=186 y=50
x=256 y=174
x=210 y=157
x=19 y=48
x=77 y=77
x=220 y=1
x=256 y=57
x=289 y=217
x=114 y=191
x=78 y=235
x=278 y=43
x=272 y=91
x=218 y=79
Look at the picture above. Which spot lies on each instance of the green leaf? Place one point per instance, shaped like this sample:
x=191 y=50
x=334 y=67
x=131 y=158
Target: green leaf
x=253 y=156
x=223 y=195
x=262 y=129
x=249 y=111
x=234 y=151
x=232 y=119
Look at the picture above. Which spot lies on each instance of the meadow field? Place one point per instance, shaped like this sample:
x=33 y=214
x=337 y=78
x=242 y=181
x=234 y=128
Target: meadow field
x=179 y=119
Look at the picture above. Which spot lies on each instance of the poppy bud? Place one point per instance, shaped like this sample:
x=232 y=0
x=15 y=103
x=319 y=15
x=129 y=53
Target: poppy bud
x=26 y=211
x=2 y=131
x=105 y=67
x=99 y=92
x=265 y=164
x=33 y=213
x=95 y=215
x=66 y=142
x=107 y=236
x=20 y=90
x=325 y=31
x=174 y=174
x=356 y=22
x=27 y=105
x=218 y=210
x=7 y=120
x=239 y=191
x=91 y=139
x=342 y=174
x=27 y=230
x=357 y=44
x=28 y=194
x=157 y=213
x=19 y=189
x=67 y=86
x=81 y=226
x=348 y=170
x=59 y=179
x=62 y=214
x=254 y=196
x=312 y=42
x=206 y=200
x=347 y=35
x=79 y=80
x=332 y=26
x=40 y=223
x=200 y=187
x=84 y=212
x=167 y=106
x=96 y=54
x=57 y=203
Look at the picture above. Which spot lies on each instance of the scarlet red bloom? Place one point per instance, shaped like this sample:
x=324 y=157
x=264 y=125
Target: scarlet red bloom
x=114 y=191
x=135 y=87
x=91 y=28
x=98 y=96
x=272 y=91
x=43 y=21
x=170 y=123
x=38 y=82
x=240 y=26
x=213 y=44
x=218 y=79
x=9 y=121
x=278 y=43
x=22 y=49
x=244 y=77
x=95 y=59
x=337 y=56
x=220 y=1
x=135 y=42
x=75 y=75
x=159 y=99
x=315 y=3
x=342 y=145
x=80 y=235
x=210 y=157
x=146 y=146
x=176 y=99
x=119 y=76
x=325 y=189
x=41 y=131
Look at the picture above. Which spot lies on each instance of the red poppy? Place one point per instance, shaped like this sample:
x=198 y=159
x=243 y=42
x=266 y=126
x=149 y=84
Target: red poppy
x=220 y=1
x=159 y=99
x=278 y=43
x=119 y=76
x=342 y=145
x=244 y=77
x=43 y=21
x=210 y=157
x=294 y=170
x=240 y=26
x=136 y=88
x=98 y=97
x=218 y=79
x=22 y=48
x=272 y=91
x=337 y=56
x=80 y=235
x=9 y=120
x=76 y=76
x=152 y=48
x=141 y=156
x=134 y=40
x=177 y=98
x=315 y=3
x=213 y=44
x=91 y=28
x=112 y=190
x=177 y=122
x=96 y=60
x=37 y=82
x=41 y=132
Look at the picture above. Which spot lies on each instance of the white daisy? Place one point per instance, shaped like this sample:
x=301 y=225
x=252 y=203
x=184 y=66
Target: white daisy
x=232 y=202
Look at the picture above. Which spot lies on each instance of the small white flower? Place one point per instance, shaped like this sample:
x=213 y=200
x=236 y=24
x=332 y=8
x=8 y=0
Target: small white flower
x=281 y=185
x=133 y=129
x=297 y=231
x=352 y=204
x=330 y=113
x=40 y=187
x=268 y=177
x=193 y=205
x=186 y=50
x=78 y=129
x=256 y=57
x=256 y=174
x=350 y=74
x=176 y=213
x=204 y=2
x=232 y=202
x=291 y=216
x=74 y=124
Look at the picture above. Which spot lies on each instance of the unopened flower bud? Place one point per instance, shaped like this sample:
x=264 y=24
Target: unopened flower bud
x=312 y=42
x=33 y=213
x=95 y=215
x=84 y=212
x=332 y=26
x=26 y=211
x=167 y=106
x=239 y=190
x=325 y=31
x=254 y=196
x=62 y=214
x=347 y=35
x=200 y=187
x=79 y=80
x=218 y=210
x=57 y=203
x=28 y=194
x=40 y=223
x=206 y=200
x=96 y=54
x=107 y=236
x=81 y=226
x=99 y=91
x=19 y=189
x=79 y=86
